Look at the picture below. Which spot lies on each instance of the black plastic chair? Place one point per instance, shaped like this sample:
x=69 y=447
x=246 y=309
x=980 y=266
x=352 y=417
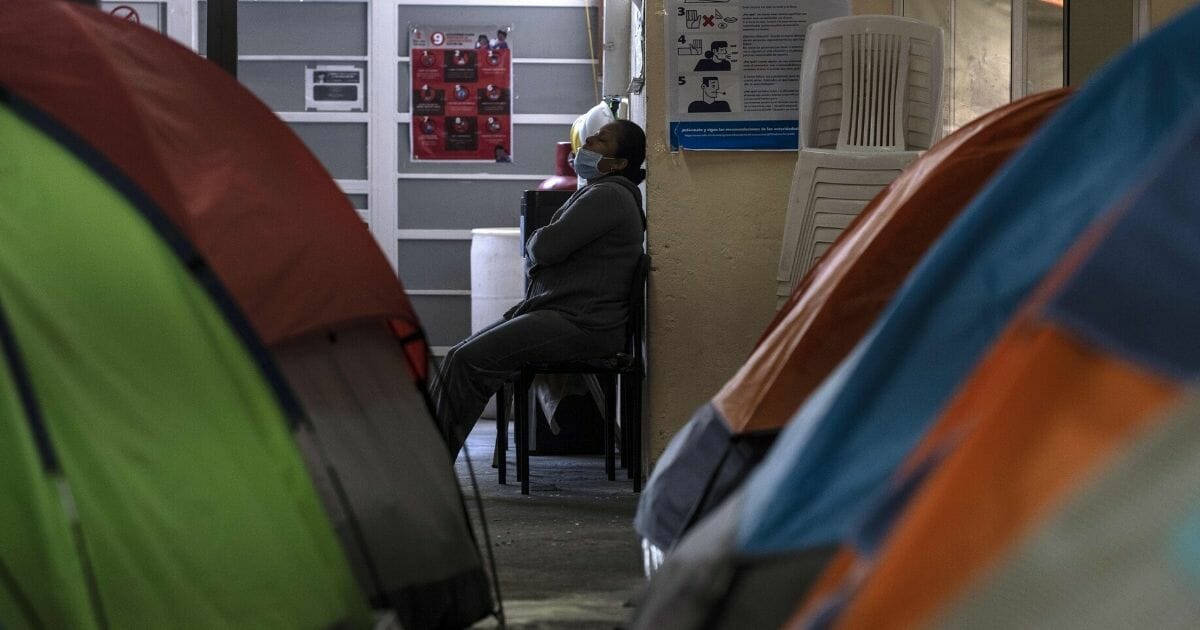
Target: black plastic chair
x=628 y=370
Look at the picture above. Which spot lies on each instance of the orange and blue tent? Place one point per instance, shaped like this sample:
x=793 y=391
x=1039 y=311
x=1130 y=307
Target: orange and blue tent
x=1123 y=553
x=834 y=460
x=704 y=582
x=826 y=315
x=212 y=403
x=1091 y=364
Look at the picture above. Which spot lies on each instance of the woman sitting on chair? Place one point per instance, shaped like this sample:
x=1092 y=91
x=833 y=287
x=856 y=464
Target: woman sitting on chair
x=579 y=268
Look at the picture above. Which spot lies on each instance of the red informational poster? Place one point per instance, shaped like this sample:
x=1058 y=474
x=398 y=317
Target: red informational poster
x=461 y=94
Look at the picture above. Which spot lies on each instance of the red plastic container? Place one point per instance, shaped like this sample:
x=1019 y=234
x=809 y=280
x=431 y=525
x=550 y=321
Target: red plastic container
x=564 y=176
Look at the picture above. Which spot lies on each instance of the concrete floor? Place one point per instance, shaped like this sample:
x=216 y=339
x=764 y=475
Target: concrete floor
x=566 y=555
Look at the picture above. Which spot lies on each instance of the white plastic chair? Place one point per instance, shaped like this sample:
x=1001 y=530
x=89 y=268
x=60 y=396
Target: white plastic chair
x=870 y=95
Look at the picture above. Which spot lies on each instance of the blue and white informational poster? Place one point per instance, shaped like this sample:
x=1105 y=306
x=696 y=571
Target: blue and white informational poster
x=733 y=69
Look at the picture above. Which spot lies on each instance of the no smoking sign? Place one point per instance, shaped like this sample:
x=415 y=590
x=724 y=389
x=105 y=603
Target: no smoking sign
x=152 y=15
x=127 y=13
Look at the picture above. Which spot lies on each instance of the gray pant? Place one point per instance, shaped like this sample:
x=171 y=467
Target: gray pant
x=480 y=364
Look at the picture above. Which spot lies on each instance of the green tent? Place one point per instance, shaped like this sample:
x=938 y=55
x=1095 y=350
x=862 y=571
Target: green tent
x=149 y=475
x=213 y=409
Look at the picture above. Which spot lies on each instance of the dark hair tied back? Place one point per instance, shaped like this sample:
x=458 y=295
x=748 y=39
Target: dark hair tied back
x=631 y=146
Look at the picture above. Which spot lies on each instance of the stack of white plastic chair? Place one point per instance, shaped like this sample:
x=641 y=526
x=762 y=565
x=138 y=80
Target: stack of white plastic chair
x=870 y=102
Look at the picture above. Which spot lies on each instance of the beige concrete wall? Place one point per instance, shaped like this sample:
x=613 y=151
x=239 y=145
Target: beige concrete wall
x=1163 y=10
x=715 y=230
x=1097 y=31
x=1101 y=30
x=716 y=221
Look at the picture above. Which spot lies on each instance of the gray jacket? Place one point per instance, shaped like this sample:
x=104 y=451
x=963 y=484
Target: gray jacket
x=582 y=262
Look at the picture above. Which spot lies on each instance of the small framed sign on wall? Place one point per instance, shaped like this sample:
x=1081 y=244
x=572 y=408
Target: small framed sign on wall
x=333 y=88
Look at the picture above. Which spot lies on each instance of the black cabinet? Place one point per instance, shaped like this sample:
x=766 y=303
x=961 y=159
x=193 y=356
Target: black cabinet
x=537 y=207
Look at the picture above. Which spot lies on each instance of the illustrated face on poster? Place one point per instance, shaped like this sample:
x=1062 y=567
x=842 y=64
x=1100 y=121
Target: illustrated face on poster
x=708 y=93
x=460 y=66
x=428 y=101
x=460 y=134
x=428 y=134
x=708 y=54
x=462 y=94
x=492 y=99
x=460 y=125
x=501 y=40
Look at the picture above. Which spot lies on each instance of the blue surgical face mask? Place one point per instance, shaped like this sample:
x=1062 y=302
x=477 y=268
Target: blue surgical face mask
x=587 y=163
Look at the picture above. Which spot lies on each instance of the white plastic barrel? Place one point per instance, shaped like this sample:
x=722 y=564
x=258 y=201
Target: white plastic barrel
x=497 y=274
x=497 y=278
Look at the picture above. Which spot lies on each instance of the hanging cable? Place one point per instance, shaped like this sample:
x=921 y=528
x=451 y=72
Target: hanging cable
x=587 y=16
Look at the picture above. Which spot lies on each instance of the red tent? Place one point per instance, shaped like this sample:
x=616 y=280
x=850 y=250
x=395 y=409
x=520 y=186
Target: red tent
x=251 y=198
